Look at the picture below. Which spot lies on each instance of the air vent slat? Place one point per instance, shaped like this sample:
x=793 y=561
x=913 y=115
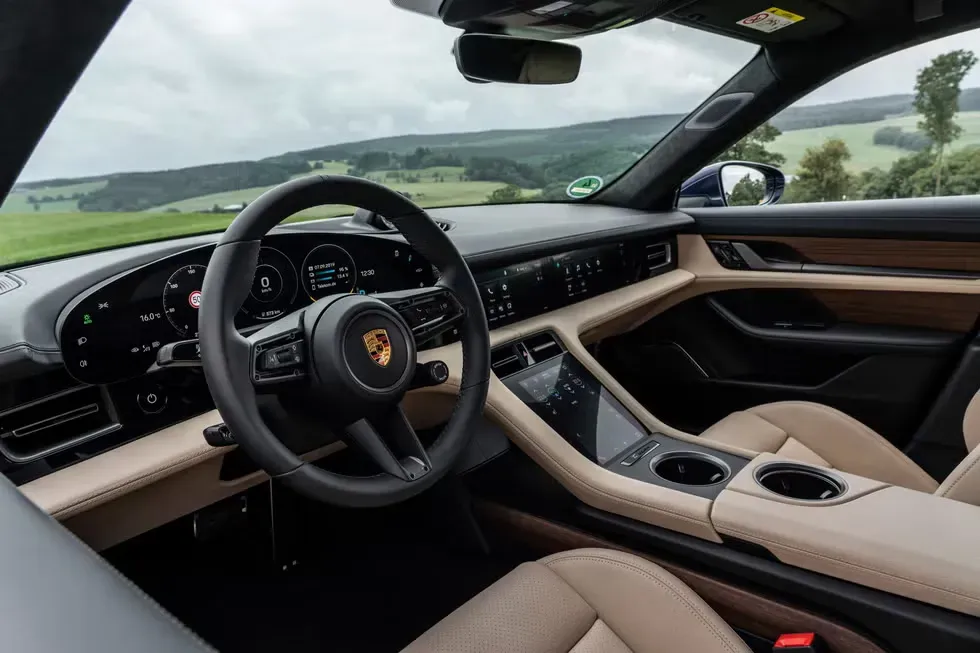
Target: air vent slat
x=54 y=423
x=513 y=357
x=504 y=361
x=657 y=256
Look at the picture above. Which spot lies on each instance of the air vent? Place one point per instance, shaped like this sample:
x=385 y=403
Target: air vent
x=515 y=356
x=504 y=361
x=9 y=282
x=444 y=224
x=54 y=423
x=656 y=256
x=542 y=347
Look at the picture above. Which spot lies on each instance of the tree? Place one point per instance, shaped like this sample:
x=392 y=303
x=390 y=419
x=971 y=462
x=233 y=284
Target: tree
x=753 y=147
x=747 y=192
x=821 y=176
x=504 y=195
x=937 y=98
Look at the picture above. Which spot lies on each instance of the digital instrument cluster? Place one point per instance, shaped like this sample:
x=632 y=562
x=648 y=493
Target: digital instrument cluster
x=114 y=331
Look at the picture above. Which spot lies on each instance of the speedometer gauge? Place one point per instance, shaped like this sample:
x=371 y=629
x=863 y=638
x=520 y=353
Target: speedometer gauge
x=328 y=270
x=273 y=288
x=182 y=299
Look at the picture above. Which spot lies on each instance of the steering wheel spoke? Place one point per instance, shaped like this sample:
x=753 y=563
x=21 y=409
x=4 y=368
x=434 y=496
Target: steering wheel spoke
x=279 y=353
x=390 y=441
x=428 y=311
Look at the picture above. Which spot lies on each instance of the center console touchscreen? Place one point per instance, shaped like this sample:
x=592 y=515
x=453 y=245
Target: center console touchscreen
x=573 y=402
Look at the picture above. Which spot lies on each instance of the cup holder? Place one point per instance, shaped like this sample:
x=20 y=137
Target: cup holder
x=799 y=482
x=690 y=468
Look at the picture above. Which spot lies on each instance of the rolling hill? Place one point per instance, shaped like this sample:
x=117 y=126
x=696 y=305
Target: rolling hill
x=54 y=216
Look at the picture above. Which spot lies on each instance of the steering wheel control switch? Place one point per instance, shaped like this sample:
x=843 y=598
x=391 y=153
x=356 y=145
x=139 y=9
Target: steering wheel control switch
x=184 y=353
x=219 y=435
x=428 y=312
x=281 y=357
x=429 y=374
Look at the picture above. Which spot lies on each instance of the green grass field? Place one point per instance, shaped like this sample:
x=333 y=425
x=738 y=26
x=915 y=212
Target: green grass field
x=28 y=235
x=31 y=236
x=859 y=138
x=17 y=202
x=425 y=192
x=329 y=168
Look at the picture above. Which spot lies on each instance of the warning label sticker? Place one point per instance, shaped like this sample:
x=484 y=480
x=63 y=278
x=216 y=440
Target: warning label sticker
x=770 y=20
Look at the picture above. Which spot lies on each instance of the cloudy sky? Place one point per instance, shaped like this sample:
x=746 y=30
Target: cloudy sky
x=185 y=82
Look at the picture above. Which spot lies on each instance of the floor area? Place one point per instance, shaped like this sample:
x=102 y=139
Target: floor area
x=364 y=581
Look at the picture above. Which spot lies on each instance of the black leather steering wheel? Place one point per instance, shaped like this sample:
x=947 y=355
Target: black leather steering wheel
x=349 y=358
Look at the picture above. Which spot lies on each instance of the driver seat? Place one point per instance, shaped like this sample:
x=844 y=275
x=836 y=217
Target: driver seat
x=583 y=601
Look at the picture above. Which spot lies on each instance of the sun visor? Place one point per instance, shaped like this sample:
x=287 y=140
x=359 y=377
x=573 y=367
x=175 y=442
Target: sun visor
x=546 y=19
x=763 y=21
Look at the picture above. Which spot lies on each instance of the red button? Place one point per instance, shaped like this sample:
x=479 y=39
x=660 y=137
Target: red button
x=795 y=640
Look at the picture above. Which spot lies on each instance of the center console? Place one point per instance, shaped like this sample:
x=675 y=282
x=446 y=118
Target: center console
x=575 y=404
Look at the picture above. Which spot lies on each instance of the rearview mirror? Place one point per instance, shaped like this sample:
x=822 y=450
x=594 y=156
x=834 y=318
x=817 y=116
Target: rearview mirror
x=733 y=183
x=515 y=60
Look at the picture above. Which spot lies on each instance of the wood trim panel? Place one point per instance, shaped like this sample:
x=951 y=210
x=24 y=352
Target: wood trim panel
x=740 y=608
x=917 y=254
x=950 y=312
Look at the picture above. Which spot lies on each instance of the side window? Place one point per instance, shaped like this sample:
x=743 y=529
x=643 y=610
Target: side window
x=905 y=125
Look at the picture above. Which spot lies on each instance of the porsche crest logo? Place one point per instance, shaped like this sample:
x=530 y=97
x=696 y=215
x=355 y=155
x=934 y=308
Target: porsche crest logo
x=377 y=344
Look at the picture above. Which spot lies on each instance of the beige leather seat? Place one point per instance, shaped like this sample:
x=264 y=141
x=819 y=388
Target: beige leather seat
x=821 y=435
x=583 y=601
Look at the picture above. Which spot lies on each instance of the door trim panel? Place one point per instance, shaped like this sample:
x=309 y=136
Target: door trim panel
x=924 y=218
x=906 y=256
x=864 y=338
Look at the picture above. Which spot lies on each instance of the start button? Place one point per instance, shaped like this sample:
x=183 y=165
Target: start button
x=152 y=401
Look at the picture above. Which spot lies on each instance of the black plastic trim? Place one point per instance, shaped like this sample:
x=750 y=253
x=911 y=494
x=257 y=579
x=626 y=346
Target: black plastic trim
x=876 y=271
x=863 y=338
x=926 y=218
x=938 y=445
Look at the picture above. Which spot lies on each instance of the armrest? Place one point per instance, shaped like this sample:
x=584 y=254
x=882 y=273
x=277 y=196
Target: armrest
x=890 y=538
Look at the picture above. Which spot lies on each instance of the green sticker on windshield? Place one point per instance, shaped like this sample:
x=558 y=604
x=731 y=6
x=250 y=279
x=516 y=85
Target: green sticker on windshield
x=583 y=186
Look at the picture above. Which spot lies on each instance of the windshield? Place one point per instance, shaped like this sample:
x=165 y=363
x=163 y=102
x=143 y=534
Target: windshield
x=192 y=108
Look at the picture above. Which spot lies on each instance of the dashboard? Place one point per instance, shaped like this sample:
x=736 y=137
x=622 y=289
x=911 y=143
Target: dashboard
x=528 y=288
x=114 y=331
x=81 y=335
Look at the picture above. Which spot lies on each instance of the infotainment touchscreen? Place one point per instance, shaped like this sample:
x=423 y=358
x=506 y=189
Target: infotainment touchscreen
x=574 y=403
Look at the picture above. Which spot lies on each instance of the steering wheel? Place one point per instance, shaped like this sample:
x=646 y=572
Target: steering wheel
x=348 y=358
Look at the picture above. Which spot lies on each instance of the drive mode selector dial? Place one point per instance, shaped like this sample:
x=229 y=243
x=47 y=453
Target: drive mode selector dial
x=182 y=298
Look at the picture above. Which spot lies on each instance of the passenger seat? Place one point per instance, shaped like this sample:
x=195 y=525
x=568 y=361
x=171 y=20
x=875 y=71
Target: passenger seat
x=821 y=435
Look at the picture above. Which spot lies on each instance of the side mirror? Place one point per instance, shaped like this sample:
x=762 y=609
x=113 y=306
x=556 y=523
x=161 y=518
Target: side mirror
x=485 y=58
x=733 y=183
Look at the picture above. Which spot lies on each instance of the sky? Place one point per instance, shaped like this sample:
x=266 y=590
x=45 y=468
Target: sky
x=187 y=82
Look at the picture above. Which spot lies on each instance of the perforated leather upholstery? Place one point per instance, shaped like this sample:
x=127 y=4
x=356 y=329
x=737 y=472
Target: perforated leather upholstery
x=820 y=435
x=583 y=601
